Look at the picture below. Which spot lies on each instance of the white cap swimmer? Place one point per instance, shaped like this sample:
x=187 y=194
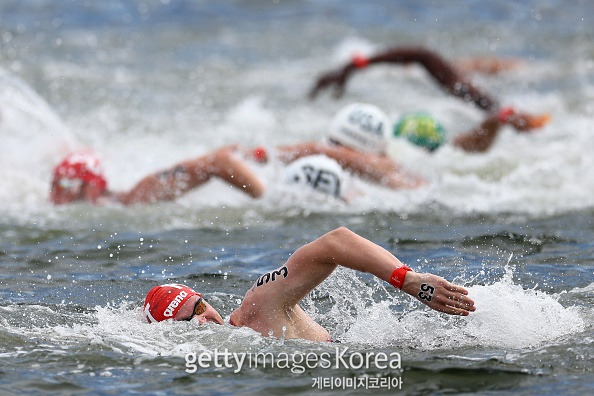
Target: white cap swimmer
x=361 y=126
x=319 y=172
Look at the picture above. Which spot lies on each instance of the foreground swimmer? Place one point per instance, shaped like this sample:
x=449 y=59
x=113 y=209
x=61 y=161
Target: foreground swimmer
x=271 y=306
x=79 y=178
x=451 y=79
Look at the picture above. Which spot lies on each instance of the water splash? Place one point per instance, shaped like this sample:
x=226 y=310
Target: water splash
x=507 y=316
x=538 y=174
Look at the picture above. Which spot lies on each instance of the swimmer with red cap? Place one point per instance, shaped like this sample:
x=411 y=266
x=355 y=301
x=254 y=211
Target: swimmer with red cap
x=169 y=302
x=271 y=306
x=80 y=178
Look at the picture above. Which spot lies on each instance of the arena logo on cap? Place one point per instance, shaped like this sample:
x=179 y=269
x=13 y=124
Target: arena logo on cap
x=174 y=303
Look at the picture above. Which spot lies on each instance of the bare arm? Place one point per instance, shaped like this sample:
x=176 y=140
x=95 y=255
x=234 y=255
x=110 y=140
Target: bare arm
x=442 y=71
x=187 y=175
x=482 y=137
x=488 y=65
x=314 y=262
x=376 y=168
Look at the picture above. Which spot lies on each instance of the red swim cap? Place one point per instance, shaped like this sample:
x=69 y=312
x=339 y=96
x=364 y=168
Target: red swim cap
x=84 y=166
x=162 y=302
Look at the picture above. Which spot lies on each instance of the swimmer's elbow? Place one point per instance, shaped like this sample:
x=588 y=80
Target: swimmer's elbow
x=340 y=232
x=336 y=238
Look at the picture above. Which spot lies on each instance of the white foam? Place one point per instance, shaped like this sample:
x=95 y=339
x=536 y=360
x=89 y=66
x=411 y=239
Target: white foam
x=506 y=316
x=548 y=171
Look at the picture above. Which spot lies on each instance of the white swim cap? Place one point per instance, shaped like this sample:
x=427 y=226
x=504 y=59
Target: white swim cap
x=317 y=171
x=361 y=126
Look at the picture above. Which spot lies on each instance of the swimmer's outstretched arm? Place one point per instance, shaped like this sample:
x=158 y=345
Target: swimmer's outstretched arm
x=442 y=71
x=187 y=175
x=376 y=168
x=314 y=262
x=488 y=65
x=482 y=137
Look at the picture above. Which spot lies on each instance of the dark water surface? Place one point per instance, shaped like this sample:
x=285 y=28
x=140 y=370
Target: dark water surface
x=71 y=321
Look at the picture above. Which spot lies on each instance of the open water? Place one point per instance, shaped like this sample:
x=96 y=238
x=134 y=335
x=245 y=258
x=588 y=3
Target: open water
x=148 y=83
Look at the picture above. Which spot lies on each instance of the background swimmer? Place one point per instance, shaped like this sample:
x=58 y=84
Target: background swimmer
x=79 y=177
x=480 y=138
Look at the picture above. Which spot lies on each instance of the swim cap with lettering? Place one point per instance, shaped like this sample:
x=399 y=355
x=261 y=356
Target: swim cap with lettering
x=361 y=126
x=319 y=172
x=84 y=166
x=162 y=302
x=421 y=129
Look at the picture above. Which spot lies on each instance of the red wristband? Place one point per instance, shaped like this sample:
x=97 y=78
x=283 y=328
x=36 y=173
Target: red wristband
x=259 y=154
x=505 y=114
x=360 y=62
x=397 y=278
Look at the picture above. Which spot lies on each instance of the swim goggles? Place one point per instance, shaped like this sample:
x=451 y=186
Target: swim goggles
x=199 y=308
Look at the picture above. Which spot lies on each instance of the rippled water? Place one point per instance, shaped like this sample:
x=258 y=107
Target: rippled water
x=147 y=83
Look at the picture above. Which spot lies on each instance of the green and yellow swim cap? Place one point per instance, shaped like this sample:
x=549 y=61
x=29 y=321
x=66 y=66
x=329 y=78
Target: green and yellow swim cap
x=421 y=129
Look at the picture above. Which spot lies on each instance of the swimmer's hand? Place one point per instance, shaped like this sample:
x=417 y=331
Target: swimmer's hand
x=524 y=122
x=336 y=78
x=437 y=293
